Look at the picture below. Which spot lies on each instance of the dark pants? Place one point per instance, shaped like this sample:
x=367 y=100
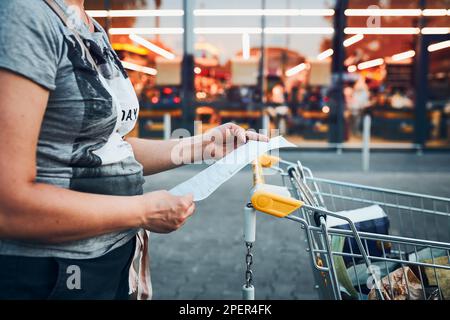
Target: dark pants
x=105 y=277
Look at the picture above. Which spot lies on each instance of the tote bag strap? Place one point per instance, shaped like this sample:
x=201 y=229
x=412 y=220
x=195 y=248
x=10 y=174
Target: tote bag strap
x=62 y=15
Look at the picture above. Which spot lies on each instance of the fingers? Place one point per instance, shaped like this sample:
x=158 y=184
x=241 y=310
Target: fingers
x=185 y=202
x=183 y=216
x=252 y=135
x=238 y=132
x=243 y=135
x=190 y=211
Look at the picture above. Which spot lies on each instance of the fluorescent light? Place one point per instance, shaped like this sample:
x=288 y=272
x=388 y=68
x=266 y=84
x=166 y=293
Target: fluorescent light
x=325 y=54
x=280 y=30
x=403 y=55
x=396 y=30
x=230 y=30
x=298 y=68
x=266 y=12
x=263 y=12
x=438 y=46
x=223 y=30
x=139 y=68
x=382 y=30
x=435 y=30
x=317 y=12
x=152 y=47
x=245 y=46
x=134 y=13
x=146 y=31
x=274 y=30
x=98 y=13
x=352 y=40
x=434 y=12
x=246 y=12
x=146 y=13
x=370 y=64
x=280 y=12
x=299 y=30
x=228 y=12
x=351 y=68
x=382 y=12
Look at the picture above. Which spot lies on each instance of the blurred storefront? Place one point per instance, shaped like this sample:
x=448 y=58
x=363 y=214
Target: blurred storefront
x=315 y=68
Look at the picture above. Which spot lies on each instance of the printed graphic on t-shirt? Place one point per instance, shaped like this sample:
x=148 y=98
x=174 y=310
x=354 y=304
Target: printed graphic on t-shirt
x=110 y=107
x=98 y=116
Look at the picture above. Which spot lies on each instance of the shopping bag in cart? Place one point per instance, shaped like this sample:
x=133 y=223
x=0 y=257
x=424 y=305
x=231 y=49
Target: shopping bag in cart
x=370 y=219
x=401 y=284
x=434 y=277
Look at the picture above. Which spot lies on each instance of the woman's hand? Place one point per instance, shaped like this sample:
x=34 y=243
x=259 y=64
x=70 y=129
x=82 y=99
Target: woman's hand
x=223 y=139
x=164 y=213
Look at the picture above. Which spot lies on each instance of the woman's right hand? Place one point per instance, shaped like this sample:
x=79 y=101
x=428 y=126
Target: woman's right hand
x=164 y=212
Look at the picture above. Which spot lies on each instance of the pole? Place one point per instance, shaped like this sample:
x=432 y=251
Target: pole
x=187 y=68
x=337 y=102
x=366 y=143
x=262 y=63
x=421 y=85
x=167 y=126
x=266 y=124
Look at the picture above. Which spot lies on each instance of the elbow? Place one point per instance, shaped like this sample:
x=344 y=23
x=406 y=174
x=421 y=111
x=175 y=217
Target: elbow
x=12 y=214
x=2 y=226
x=15 y=224
x=5 y=228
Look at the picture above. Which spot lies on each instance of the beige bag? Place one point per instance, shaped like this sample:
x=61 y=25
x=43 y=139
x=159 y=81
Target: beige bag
x=401 y=284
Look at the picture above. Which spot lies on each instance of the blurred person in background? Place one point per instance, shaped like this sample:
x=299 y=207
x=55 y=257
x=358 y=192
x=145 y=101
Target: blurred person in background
x=359 y=101
x=72 y=184
x=399 y=100
x=279 y=112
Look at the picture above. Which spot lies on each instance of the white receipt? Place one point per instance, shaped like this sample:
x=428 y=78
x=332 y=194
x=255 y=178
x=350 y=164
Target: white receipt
x=203 y=184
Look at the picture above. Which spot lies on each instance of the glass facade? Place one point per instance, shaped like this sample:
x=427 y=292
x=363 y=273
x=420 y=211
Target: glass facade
x=278 y=60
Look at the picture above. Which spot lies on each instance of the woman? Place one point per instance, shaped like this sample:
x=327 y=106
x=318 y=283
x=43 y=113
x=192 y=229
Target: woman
x=71 y=198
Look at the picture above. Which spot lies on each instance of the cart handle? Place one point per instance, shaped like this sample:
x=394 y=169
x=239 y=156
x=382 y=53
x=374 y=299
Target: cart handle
x=268 y=161
x=267 y=198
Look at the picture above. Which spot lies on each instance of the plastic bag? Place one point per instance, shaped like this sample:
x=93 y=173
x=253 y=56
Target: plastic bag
x=401 y=284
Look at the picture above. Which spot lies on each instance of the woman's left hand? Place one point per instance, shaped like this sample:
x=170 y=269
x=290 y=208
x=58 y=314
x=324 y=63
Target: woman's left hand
x=223 y=139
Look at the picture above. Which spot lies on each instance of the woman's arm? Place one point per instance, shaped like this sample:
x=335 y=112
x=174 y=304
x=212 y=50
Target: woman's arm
x=156 y=156
x=45 y=213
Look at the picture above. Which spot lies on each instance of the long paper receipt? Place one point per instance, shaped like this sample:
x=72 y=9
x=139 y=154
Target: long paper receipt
x=203 y=184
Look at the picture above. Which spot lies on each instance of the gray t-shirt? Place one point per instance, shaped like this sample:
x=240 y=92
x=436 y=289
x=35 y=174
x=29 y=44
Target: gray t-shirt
x=80 y=118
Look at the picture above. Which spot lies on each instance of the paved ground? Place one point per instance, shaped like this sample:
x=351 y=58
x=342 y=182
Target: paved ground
x=205 y=259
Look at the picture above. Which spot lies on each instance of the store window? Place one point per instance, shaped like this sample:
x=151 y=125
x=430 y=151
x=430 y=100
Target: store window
x=382 y=75
x=438 y=100
x=292 y=87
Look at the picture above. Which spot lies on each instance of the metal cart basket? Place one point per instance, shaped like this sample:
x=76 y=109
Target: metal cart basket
x=403 y=254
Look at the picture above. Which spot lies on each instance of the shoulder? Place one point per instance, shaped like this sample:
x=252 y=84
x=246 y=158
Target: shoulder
x=35 y=14
x=37 y=9
x=30 y=40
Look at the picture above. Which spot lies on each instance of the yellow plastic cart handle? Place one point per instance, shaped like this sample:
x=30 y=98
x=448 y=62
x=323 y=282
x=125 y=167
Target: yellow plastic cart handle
x=265 y=199
x=274 y=204
x=264 y=161
x=268 y=161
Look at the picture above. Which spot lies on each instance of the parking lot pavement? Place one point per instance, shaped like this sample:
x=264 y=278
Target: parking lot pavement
x=206 y=258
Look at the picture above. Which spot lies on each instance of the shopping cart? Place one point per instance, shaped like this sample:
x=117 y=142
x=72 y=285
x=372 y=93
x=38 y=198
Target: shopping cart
x=411 y=261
